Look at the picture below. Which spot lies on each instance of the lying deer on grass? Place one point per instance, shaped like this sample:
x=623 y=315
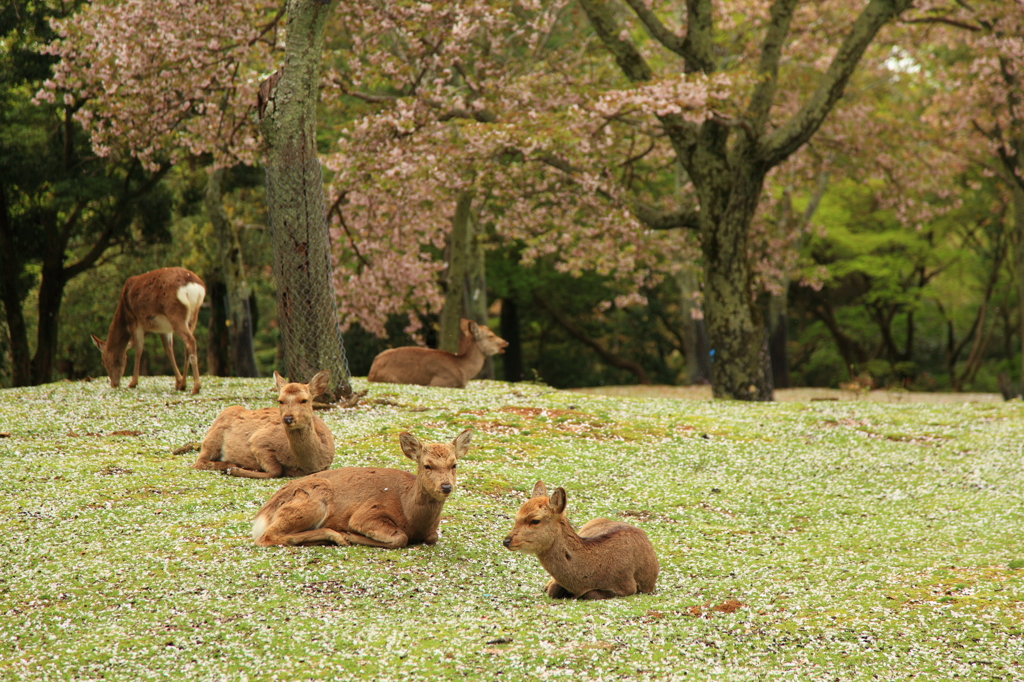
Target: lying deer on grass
x=431 y=367
x=606 y=559
x=164 y=302
x=366 y=505
x=288 y=440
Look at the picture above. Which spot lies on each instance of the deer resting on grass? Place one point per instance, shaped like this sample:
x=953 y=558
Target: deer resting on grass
x=288 y=440
x=606 y=559
x=432 y=367
x=366 y=505
x=164 y=302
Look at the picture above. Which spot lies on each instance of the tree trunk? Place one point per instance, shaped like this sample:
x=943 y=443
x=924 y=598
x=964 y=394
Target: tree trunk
x=734 y=320
x=1018 y=262
x=51 y=293
x=238 y=318
x=296 y=210
x=458 y=256
x=476 y=287
x=695 y=338
x=466 y=293
x=217 y=341
x=21 y=370
x=512 y=359
x=778 y=337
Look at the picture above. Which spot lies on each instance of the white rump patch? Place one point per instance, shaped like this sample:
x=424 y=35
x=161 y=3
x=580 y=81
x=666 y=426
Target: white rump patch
x=259 y=526
x=191 y=296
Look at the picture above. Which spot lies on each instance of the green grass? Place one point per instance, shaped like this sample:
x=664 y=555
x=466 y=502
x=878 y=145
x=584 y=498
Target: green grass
x=863 y=540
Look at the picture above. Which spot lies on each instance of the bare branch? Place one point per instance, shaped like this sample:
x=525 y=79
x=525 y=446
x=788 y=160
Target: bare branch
x=800 y=127
x=768 y=68
x=608 y=30
x=653 y=219
x=657 y=29
x=606 y=355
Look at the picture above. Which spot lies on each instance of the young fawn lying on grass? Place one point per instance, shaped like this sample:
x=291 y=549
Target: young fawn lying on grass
x=607 y=559
x=366 y=505
x=288 y=440
x=432 y=367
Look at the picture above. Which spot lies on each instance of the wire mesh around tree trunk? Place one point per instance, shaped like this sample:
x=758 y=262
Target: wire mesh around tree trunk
x=306 y=305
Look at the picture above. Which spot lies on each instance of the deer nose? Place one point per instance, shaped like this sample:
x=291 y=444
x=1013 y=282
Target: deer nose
x=288 y=419
x=507 y=541
x=446 y=488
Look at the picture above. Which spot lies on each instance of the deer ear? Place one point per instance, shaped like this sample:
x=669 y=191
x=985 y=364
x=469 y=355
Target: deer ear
x=318 y=384
x=539 y=490
x=461 y=443
x=473 y=327
x=100 y=343
x=279 y=381
x=557 y=501
x=411 y=445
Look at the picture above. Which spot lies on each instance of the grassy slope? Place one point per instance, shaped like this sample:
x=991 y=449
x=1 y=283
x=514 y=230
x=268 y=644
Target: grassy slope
x=862 y=539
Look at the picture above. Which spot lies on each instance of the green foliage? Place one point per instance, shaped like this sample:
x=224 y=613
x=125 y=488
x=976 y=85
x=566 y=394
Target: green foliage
x=643 y=334
x=858 y=540
x=900 y=303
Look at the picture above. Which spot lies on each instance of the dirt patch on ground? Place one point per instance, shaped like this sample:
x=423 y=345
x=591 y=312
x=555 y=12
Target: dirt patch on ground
x=795 y=394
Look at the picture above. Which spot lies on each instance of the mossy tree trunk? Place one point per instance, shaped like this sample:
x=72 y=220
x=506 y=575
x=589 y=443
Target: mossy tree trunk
x=458 y=264
x=466 y=293
x=296 y=209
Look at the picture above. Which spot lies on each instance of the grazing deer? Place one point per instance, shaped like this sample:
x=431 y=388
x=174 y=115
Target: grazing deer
x=606 y=559
x=288 y=440
x=431 y=367
x=366 y=505
x=164 y=302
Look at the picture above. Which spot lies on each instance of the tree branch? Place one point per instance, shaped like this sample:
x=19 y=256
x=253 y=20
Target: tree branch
x=626 y=55
x=656 y=29
x=580 y=335
x=336 y=209
x=798 y=129
x=768 y=68
x=686 y=218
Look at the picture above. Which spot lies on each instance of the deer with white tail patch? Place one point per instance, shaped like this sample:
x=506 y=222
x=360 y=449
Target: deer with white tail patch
x=606 y=559
x=164 y=302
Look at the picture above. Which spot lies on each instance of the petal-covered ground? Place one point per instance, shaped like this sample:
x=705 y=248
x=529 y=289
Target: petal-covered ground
x=812 y=540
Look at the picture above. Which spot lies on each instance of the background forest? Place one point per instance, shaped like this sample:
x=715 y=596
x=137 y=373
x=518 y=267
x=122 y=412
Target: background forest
x=492 y=158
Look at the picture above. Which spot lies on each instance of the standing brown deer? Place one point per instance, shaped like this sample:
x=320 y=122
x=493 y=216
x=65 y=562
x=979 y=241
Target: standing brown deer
x=606 y=559
x=431 y=367
x=164 y=302
x=288 y=440
x=366 y=505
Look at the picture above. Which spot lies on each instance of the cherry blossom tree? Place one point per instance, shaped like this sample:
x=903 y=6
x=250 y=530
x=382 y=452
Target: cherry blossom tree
x=481 y=109
x=976 y=52
x=63 y=211
x=173 y=81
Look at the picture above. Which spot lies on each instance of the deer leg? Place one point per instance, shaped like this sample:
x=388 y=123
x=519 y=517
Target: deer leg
x=297 y=522
x=183 y=330
x=179 y=378
x=371 y=528
x=138 y=338
x=556 y=591
x=599 y=594
x=272 y=469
